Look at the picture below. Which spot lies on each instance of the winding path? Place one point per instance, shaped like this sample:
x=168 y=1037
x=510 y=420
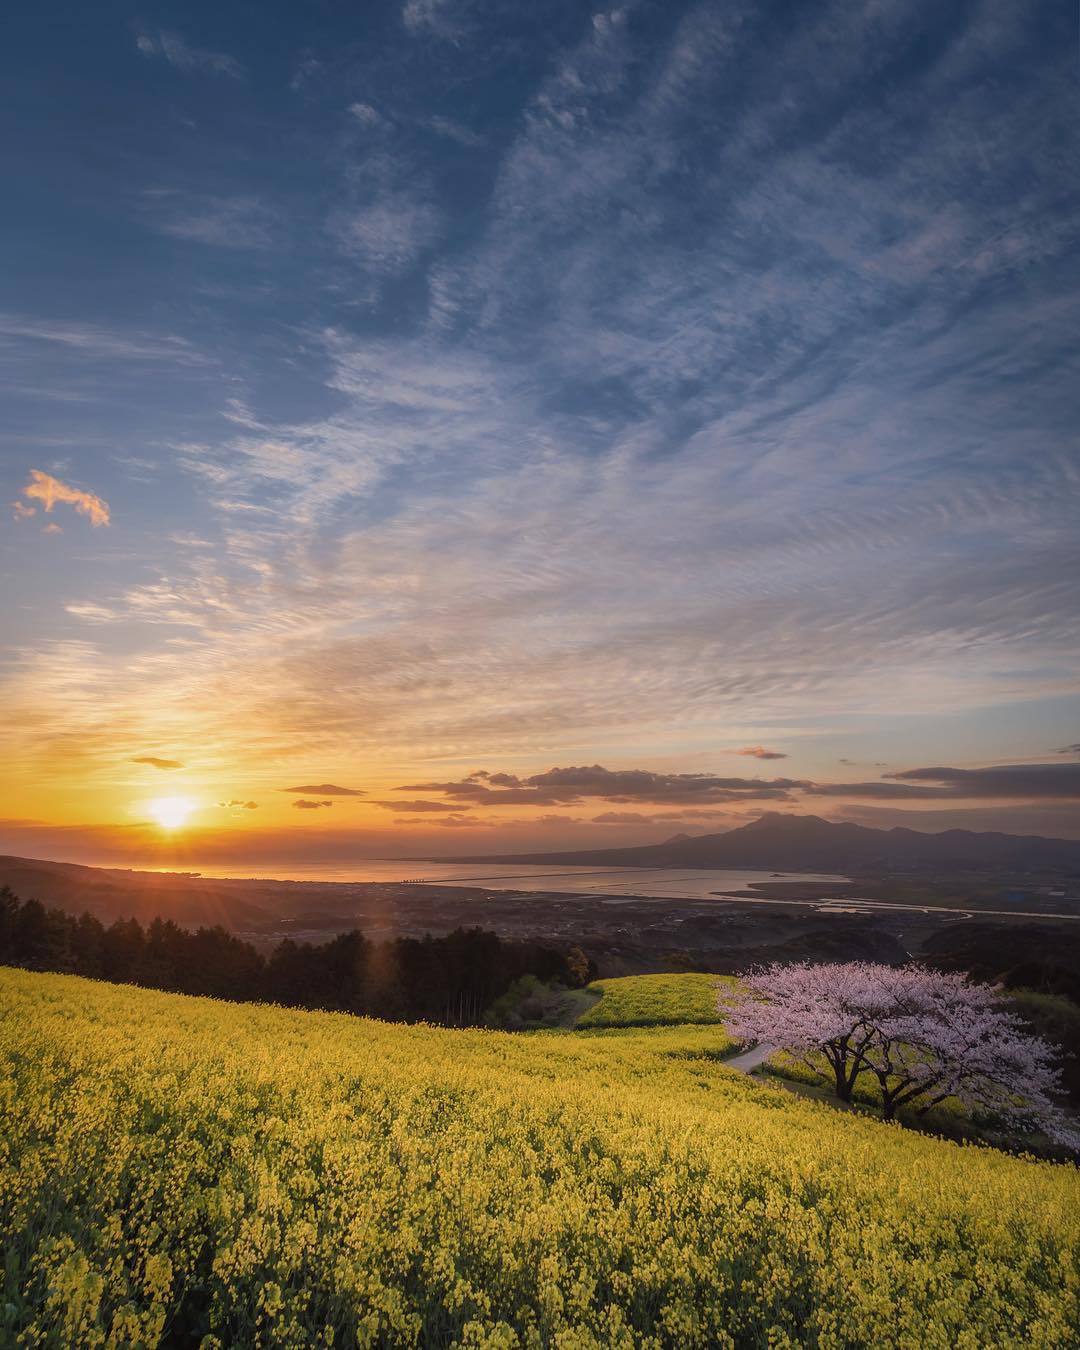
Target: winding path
x=749 y=1060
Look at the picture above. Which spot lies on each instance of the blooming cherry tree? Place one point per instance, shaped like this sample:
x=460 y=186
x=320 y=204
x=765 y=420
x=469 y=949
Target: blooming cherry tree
x=923 y=1035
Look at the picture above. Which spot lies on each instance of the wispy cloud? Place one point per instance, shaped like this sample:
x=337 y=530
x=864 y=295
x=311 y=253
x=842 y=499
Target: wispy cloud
x=156 y=762
x=439 y=17
x=1057 y=781
x=97 y=340
x=327 y=790
x=454 y=131
x=189 y=60
x=389 y=233
x=219 y=222
x=759 y=752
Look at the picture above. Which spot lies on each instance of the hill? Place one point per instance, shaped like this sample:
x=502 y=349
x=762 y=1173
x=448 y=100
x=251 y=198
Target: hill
x=792 y=843
x=655 y=1001
x=118 y=893
x=176 y=1169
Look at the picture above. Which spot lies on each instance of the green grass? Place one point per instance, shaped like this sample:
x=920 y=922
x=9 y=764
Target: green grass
x=655 y=1001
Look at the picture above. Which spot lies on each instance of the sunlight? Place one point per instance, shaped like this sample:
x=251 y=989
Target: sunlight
x=171 y=812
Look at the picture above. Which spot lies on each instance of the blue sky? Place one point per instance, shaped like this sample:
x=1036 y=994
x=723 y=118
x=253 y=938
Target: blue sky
x=476 y=385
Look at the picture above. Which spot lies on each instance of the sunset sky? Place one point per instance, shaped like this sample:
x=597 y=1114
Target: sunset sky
x=456 y=425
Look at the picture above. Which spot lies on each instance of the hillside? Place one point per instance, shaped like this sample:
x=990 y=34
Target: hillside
x=111 y=893
x=175 y=1168
x=808 y=843
x=655 y=1000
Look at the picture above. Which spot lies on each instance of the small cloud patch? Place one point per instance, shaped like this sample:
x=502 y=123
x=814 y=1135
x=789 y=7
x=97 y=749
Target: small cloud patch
x=44 y=488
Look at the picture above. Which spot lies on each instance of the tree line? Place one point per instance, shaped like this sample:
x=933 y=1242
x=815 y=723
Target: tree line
x=448 y=980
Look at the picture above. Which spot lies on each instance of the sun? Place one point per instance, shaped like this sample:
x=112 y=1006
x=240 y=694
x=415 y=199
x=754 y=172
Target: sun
x=171 y=812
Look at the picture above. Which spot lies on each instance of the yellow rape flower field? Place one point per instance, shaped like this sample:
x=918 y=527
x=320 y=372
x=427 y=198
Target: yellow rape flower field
x=654 y=1000
x=176 y=1171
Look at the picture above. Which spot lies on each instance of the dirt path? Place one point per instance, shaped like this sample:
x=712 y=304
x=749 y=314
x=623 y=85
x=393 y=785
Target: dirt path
x=749 y=1060
x=576 y=1003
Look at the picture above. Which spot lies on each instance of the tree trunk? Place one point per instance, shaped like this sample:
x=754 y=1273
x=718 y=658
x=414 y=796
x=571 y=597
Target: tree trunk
x=837 y=1055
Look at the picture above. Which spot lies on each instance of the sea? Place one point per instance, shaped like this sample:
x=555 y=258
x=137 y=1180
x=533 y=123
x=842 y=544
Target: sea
x=661 y=883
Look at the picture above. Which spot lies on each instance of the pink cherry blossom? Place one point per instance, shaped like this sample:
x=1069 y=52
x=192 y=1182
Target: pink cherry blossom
x=922 y=1034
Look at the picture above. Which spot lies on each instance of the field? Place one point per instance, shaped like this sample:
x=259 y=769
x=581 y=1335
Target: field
x=654 y=1000
x=179 y=1171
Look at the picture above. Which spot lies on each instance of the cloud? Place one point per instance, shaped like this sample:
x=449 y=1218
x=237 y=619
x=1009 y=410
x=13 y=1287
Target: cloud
x=219 y=222
x=887 y=791
x=450 y=822
x=327 y=790
x=94 y=341
x=454 y=131
x=1050 y=819
x=243 y=806
x=437 y=17
x=759 y=752
x=365 y=114
x=157 y=763
x=417 y=806
x=181 y=56
x=304 y=805
x=1068 y=750
x=696 y=795
x=43 y=487
x=688 y=818
x=479 y=793
x=91 y=613
x=389 y=233
x=52 y=528
x=1053 y=781
x=623 y=785
x=566 y=786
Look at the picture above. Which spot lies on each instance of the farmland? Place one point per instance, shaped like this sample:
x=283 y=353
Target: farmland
x=178 y=1170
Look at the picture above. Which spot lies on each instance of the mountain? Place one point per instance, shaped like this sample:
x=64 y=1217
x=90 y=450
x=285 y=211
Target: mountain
x=792 y=843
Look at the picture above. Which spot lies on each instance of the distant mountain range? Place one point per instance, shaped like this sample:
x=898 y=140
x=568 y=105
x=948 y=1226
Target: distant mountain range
x=791 y=843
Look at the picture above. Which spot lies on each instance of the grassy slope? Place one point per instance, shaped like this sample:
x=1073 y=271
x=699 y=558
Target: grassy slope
x=655 y=1000
x=178 y=1167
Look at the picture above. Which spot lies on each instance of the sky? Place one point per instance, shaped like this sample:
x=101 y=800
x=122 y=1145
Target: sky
x=455 y=425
